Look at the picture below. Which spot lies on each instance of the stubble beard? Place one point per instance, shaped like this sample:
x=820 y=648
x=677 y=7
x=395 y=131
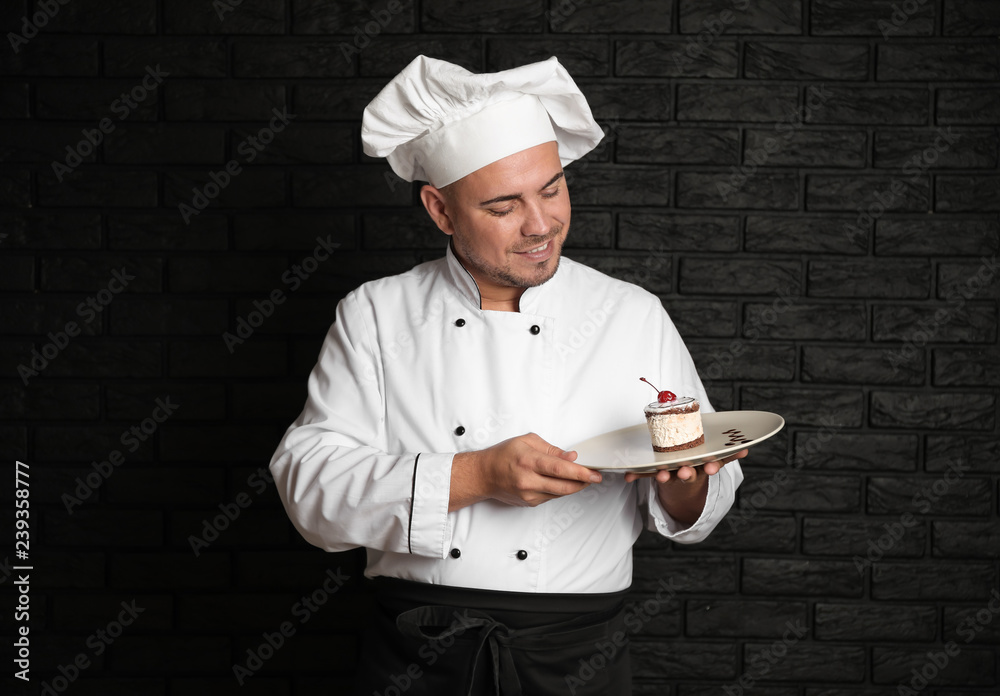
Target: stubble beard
x=504 y=275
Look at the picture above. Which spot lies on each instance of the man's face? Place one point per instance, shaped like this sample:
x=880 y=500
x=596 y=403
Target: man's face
x=508 y=220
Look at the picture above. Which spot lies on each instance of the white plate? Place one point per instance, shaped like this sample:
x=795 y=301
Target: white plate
x=630 y=449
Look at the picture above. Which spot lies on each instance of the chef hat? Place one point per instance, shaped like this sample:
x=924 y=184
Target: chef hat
x=437 y=122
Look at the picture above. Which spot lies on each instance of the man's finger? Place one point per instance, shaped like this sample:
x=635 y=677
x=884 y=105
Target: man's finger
x=559 y=468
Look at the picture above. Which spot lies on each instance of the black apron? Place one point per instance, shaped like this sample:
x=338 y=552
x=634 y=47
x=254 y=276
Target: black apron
x=437 y=640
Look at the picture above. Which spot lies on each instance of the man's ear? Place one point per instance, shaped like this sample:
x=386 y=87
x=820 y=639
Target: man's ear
x=436 y=203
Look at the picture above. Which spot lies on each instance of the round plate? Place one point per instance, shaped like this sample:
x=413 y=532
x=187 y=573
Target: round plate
x=630 y=449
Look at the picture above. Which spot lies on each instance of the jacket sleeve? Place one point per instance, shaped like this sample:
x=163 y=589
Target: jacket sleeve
x=339 y=485
x=722 y=486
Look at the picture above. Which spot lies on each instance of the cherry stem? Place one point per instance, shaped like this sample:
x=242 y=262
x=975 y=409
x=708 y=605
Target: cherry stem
x=643 y=379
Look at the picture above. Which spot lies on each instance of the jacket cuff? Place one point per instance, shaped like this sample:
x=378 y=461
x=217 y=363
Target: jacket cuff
x=429 y=530
x=719 y=499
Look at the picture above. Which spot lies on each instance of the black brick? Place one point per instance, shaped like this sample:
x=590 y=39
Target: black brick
x=939 y=496
x=412 y=229
x=288 y=58
x=872 y=106
x=159 y=316
x=978 y=280
x=167 y=144
x=128 y=528
x=56 y=401
x=626 y=16
x=17 y=273
x=650 y=101
x=807 y=321
x=770 y=576
x=68 y=612
x=319 y=17
x=869 y=278
x=757 y=277
x=14 y=99
x=504 y=16
x=231 y=101
x=231 y=443
x=51 y=230
x=805 y=61
x=52 y=56
x=735 y=103
x=735 y=360
x=971 y=18
x=947 y=237
x=808 y=492
x=760 y=192
x=763 y=17
x=855 y=622
x=942 y=62
x=677 y=232
x=860 y=451
x=222 y=274
x=195 y=17
x=801 y=235
x=256 y=358
x=953 y=582
x=832 y=407
x=364 y=186
x=256 y=527
x=970 y=323
x=854 y=537
x=982 y=454
x=849 y=192
x=169 y=570
x=969 y=667
x=910 y=150
x=968 y=193
x=654 y=273
x=750 y=531
x=168 y=655
x=631 y=185
x=300 y=143
x=965 y=411
x=806 y=148
x=335 y=100
x=967 y=367
x=166 y=231
x=264 y=400
x=967 y=539
x=860 y=365
x=67 y=568
x=869 y=18
x=716 y=575
x=248 y=188
x=676 y=58
x=583 y=57
x=682 y=660
x=395 y=53
x=806 y=662
x=81 y=444
x=95 y=100
x=86 y=274
x=672 y=145
x=295 y=231
x=967 y=106
x=181 y=57
x=742 y=618
x=116 y=188
x=703 y=318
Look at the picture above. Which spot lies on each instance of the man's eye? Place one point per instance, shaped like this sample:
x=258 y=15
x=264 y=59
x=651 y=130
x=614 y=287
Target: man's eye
x=551 y=195
x=501 y=213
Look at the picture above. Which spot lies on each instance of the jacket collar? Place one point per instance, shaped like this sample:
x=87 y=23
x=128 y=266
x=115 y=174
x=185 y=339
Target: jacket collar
x=467 y=287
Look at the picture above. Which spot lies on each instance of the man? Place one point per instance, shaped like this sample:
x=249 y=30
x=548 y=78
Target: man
x=443 y=399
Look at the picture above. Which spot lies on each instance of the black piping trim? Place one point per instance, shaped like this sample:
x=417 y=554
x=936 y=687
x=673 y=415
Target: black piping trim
x=413 y=493
x=451 y=242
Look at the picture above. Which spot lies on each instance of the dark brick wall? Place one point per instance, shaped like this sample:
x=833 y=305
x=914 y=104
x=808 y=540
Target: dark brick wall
x=812 y=187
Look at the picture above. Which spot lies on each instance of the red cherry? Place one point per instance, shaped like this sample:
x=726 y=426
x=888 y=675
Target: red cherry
x=662 y=396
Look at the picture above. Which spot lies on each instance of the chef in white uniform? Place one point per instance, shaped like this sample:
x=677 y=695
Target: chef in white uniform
x=445 y=400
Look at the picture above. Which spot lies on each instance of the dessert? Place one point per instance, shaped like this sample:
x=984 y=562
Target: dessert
x=674 y=424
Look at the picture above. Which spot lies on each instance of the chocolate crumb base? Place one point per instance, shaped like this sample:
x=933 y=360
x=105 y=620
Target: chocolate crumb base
x=684 y=446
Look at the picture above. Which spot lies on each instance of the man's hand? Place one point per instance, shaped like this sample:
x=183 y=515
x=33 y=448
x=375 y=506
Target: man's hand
x=683 y=492
x=524 y=471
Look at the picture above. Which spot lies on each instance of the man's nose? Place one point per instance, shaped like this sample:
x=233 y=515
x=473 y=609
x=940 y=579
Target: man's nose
x=534 y=222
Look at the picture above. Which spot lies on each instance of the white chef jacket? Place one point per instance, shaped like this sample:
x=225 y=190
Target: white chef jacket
x=413 y=371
